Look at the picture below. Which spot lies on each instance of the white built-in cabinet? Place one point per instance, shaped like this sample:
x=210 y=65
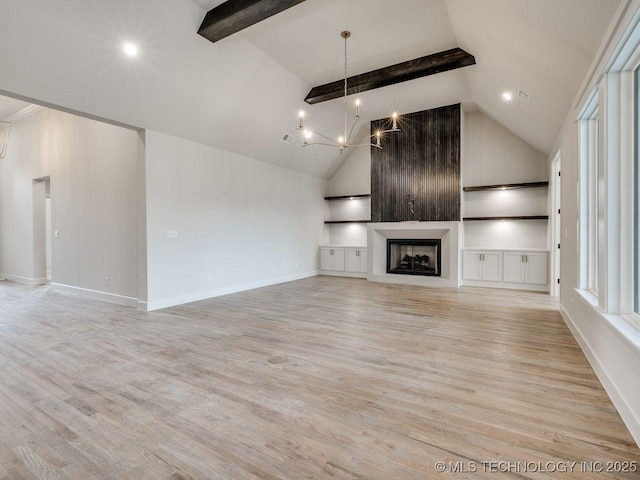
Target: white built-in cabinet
x=346 y=261
x=356 y=260
x=482 y=265
x=332 y=259
x=525 y=269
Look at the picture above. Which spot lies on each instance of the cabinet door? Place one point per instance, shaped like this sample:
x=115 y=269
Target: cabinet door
x=338 y=259
x=513 y=267
x=326 y=259
x=492 y=266
x=352 y=258
x=363 y=261
x=471 y=267
x=536 y=271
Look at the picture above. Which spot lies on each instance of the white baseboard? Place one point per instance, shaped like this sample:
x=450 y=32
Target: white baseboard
x=195 y=297
x=32 y=282
x=505 y=285
x=629 y=417
x=333 y=273
x=96 y=295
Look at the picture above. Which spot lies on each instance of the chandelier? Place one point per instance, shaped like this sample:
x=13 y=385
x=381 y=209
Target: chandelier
x=344 y=141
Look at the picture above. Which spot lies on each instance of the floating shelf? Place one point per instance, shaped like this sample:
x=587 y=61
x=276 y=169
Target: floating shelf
x=347 y=221
x=348 y=197
x=506 y=186
x=520 y=217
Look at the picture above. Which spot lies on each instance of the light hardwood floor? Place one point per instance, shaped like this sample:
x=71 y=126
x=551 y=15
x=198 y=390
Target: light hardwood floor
x=321 y=378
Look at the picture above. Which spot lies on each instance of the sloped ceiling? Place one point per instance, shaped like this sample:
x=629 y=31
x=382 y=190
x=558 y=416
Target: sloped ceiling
x=243 y=92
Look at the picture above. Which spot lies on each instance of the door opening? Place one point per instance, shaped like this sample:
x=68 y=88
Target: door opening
x=42 y=234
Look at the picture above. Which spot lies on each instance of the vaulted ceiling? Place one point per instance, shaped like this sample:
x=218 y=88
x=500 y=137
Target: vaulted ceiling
x=243 y=92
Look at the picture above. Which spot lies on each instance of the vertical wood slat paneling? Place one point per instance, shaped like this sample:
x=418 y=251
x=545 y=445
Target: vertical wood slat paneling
x=423 y=159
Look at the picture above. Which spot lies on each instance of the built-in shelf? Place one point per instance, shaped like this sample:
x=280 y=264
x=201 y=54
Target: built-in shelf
x=519 y=217
x=348 y=197
x=506 y=186
x=347 y=221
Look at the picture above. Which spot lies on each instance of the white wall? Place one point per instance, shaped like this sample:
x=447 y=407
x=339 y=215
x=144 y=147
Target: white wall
x=352 y=178
x=240 y=223
x=354 y=175
x=92 y=170
x=492 y=156
x=610 y=342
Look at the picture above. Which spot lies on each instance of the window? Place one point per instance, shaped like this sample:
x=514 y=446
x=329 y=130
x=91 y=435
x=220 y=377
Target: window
x=636 y=189
x=589 y=195
x=609 y=184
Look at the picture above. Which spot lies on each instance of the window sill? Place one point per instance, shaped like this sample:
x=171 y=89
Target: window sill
x=626 y=326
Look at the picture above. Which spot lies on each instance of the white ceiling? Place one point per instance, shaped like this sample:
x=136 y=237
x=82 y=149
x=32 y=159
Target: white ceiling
x=243 y=92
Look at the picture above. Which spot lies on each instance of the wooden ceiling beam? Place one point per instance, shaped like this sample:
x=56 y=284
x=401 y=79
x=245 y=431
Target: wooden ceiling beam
x=235 y=15
x=401 y=72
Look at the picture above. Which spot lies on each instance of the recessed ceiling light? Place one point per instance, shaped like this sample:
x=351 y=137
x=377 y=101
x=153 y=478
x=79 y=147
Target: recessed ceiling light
x=130 y=49
x=507 y=96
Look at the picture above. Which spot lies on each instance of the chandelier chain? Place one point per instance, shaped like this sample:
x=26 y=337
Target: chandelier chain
x=345 y=35
x=345 y=141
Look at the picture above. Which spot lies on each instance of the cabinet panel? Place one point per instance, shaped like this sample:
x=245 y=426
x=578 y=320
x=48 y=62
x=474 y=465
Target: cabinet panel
x=481 y=265
x=352 y=258
x=492 y=266
x=513 y=267
x=363 y=261
x=356 y=260
x=338 y=259
x=471 y=266
x=536 y=271
x=326 y=259
x=332 y=259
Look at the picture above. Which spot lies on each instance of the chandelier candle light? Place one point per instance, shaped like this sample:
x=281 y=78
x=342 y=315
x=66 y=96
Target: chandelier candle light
x=344 y=141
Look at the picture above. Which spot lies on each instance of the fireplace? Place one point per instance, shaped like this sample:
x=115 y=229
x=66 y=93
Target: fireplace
x=414 y=257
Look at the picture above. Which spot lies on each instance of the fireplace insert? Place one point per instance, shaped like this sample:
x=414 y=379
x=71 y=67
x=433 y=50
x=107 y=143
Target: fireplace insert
x=414 y=256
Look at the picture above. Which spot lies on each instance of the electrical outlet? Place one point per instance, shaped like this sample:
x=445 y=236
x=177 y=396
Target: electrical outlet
x=107 y=280
x=209 y=278
x=56 y=234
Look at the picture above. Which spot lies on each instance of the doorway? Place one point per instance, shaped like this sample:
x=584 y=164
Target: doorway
x=42 y=231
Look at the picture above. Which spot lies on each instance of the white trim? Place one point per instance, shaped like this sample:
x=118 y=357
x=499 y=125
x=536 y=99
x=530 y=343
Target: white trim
x=555 y=230
x=588 y=193
x=142 y=306
x=627 y=51
x=624 y=409
x=334 y=273
x=24 y=113
x=626 y=327
x=96 y=295
x=195 y=297
x=506 y=285
x=590 y=108
x=32 y=282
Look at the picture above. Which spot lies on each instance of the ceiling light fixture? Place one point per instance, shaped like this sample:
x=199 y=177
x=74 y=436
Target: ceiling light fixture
x=507 y=96
x=344 y=141
x=130 y=49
